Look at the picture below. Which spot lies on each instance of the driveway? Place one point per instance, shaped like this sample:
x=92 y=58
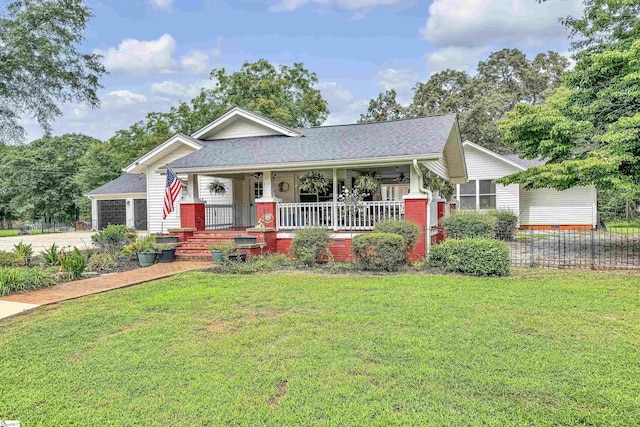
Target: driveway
x=81 y=239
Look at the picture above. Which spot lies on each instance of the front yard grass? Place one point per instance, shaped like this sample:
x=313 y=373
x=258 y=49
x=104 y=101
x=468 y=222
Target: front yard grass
x=11 y=233
x=538 y=348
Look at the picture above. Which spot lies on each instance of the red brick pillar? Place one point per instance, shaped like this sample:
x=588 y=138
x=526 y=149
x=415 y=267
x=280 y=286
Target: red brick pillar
x=192 y=216
x=263 y=210
x=415 y=211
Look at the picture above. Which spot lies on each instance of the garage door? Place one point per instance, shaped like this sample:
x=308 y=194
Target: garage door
x=111 y=212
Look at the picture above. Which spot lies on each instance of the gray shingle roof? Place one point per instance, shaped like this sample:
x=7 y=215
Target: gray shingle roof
x=125 y=184
x=527 y=163
x=420 y=136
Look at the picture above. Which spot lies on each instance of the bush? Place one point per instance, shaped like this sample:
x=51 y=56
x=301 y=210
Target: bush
x=10 y=259
x=379 y=251
x=309 y=244
x=469 y=225
x=408 y=230
x=505 y=225
x=113 y=238
x=23 y=251
x=73 y=263
x=51 y=255
x=261 y=263
x=141 y=244
x=23 y=279
x=102 y=262
x=473 y=257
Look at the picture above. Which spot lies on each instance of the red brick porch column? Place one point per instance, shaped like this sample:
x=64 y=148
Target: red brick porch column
x=266 y=212
x=415 y=211
x=192 y=216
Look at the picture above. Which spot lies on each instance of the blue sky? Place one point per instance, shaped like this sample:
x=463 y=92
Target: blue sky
x=161 y=51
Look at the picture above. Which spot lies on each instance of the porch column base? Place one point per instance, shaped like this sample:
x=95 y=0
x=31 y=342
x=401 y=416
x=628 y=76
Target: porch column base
x=415 y=211
x=266 y=213
x=192 y=215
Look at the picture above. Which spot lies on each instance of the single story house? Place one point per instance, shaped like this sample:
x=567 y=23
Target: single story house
x=546 y=208
x=256 y=165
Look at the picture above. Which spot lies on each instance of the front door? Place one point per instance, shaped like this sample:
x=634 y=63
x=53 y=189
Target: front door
x=255 y=192
x=140 y=214
x=112 y=212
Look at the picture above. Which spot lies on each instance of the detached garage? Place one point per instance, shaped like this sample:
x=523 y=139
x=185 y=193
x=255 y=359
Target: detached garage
x=122 y=201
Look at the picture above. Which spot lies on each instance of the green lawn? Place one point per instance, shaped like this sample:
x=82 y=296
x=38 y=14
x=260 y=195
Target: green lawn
x=9 y=233
x=540 y=348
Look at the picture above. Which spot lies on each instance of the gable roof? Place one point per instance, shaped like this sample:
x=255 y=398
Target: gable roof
x=178 y=138
x=511 y=159
x=236 y=112
x=128 y=183
x=420 y=138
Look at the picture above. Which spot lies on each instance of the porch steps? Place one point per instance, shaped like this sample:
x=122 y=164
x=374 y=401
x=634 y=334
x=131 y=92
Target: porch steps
x=196 y=247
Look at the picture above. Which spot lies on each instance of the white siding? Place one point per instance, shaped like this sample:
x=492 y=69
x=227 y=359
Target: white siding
x=155 y=193
x=483 y=166
x=508 y=198
x=288 y=196
x=215 y=199
x=550 y=207
x=241 y=128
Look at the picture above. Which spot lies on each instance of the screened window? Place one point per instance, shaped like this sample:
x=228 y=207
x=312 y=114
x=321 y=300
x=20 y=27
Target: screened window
x=468 y=195
x=477 y=194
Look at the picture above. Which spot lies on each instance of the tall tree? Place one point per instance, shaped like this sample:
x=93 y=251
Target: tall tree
x=385 y=107
x=589 y=130
x=41 y=65
x=41 y=177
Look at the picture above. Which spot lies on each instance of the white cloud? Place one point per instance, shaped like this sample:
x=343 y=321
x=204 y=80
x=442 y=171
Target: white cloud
x=345 y=107
x=182 y=91
x=195 y=62
x=125 y=97
x=474 y=23
x=402 y=80
x=456 y=58
x=217 y=51
x=161 y=4
x=134 y=56
x=353 y=5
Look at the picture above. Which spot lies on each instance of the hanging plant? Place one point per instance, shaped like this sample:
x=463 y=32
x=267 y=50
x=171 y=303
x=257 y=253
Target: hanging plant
x=369 y=182
x=217 y=187
x=314 y=183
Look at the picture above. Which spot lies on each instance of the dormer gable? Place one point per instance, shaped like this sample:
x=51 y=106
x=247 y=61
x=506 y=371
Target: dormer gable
x=240 y=123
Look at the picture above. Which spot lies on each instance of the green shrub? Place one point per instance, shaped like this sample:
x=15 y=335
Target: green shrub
x=469 y=225
x=102 y=262
x=51 y=255
x=379 y=251
x=408 y=230
x=23 y=279
x=473 y=257
x=309 y=244
x=24 y=251
x=113 y=238
x=505 y=225
x=261 y=263
x=10 y=259
x=141 y=244
x=73 y=263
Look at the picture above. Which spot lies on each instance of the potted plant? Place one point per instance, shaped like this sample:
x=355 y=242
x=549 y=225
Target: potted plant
x=369 y=182
x=218 y=188
x=221 y=251
x=167 y=253
x=314 y=182
x=145 y=248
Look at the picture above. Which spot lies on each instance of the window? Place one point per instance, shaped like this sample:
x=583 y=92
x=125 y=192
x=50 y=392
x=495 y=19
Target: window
x=258 y=190
x=468 y=195
x=477 y=194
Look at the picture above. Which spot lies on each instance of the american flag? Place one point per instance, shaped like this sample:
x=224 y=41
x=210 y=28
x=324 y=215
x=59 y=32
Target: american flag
x=171 y=193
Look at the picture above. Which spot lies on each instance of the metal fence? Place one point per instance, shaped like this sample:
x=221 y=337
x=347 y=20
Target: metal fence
x=616 y=248
x=221 y=217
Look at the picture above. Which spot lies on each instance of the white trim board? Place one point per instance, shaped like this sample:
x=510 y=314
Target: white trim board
x=495 y=155
x=184 y=139
x=239 y=112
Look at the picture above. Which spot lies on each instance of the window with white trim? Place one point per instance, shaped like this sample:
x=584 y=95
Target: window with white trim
x=477 y=194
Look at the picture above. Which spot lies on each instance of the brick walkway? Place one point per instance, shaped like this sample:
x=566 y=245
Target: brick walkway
x=105 y=283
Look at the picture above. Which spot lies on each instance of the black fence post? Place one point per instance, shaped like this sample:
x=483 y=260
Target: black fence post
x=593 y=250
x=531 y=247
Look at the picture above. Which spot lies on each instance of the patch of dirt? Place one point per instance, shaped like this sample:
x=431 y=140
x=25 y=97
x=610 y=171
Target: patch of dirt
x=249 y=317
x=219 y=325
x=282 y=387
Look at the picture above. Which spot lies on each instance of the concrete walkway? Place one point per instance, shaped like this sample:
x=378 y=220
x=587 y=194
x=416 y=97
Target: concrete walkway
x=19 y=303
x=81 y=239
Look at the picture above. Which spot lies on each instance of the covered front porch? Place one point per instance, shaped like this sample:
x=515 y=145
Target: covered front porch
x=281 y=201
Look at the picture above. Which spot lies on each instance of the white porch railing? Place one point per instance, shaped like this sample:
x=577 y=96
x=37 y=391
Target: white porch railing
x=294 y=216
